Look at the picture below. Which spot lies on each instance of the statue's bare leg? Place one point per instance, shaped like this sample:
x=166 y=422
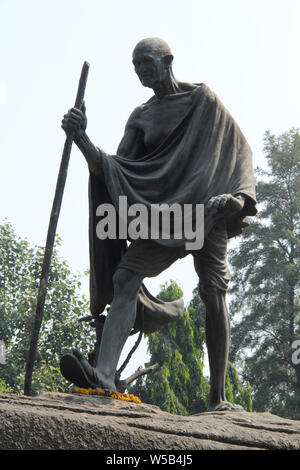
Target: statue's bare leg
x=217 y=342
x=217 y=318
x=118 y=325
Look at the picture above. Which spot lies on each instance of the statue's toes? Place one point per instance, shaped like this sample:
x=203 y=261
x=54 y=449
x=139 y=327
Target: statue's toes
x=227 y=406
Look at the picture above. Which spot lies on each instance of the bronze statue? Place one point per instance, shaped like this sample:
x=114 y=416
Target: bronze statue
x=182 y=146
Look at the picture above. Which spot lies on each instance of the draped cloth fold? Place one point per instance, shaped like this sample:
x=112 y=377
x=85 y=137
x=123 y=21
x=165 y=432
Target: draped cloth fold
x=205 y=155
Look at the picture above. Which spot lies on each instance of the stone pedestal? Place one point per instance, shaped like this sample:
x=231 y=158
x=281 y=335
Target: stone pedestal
x=80 y=422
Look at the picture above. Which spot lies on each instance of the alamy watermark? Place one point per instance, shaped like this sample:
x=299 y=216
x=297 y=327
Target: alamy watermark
x=296 y=353
x=158 y=222
x=2 y=352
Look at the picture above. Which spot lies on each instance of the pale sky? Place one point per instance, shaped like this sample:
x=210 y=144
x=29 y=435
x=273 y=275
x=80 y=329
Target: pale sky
x=247 y=51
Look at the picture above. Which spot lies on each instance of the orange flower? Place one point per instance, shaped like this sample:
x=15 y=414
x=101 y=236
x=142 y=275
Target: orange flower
x=108 y=393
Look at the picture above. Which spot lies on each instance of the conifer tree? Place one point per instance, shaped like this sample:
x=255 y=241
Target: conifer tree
x=266 y=282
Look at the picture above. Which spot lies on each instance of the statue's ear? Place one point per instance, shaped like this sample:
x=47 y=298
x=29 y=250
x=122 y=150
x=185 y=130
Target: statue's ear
x=168 y=59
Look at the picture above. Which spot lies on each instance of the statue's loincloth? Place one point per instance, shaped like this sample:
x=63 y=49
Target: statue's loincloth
x=148 y=258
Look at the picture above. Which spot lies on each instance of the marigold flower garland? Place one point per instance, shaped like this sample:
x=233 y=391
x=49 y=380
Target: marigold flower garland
x=107 y=393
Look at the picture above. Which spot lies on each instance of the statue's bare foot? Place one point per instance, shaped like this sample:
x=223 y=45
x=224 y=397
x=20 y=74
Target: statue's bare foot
x=77 y=370
x=226 y=406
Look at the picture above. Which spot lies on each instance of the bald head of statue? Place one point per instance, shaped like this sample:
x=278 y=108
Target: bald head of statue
x=154 y=45
x=152 y=59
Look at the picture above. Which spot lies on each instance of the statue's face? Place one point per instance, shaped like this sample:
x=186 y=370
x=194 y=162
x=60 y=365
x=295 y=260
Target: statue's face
x=149 y=66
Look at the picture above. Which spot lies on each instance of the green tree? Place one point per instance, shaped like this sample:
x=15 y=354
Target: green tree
x=265 y=284
x=179 y=385
x=20 y=266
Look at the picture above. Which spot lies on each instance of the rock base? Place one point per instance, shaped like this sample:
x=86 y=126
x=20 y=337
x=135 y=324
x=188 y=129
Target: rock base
x=80 y=422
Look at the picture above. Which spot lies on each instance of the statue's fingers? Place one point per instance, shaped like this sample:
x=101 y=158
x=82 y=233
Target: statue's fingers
x=77 y=111
x=80 y=117
x=74 y=121
x=216 y=202
x=77 y=120
x=70 y=124
x=210 y=202
x=65 y=121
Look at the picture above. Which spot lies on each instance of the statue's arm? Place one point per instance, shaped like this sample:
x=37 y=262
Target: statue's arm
x=131 y=145
x=93 y=155
x=75 y=121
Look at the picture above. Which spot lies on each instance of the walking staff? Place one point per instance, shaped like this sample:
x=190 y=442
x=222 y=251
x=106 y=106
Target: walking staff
x=60 y=185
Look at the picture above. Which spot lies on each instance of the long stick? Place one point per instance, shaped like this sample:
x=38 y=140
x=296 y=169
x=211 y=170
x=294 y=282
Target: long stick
x=60 y=185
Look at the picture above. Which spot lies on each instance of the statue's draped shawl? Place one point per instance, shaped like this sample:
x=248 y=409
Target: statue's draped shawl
x=204 y=156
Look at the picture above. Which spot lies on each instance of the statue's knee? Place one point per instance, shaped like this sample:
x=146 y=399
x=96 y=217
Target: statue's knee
x=210 y=294
x=126 y=282
x=120 y=279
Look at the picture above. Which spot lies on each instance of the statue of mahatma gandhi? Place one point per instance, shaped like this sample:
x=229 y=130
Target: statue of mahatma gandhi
x=182 y=146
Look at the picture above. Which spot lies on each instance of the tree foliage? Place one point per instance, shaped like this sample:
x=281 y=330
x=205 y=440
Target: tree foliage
x=20 y=267
x=265 y=284
x=179 y=386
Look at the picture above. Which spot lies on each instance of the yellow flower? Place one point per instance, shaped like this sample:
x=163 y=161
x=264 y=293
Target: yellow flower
x=108 y=393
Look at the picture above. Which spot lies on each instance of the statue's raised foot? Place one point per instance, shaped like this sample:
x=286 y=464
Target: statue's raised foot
x=77 y=370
